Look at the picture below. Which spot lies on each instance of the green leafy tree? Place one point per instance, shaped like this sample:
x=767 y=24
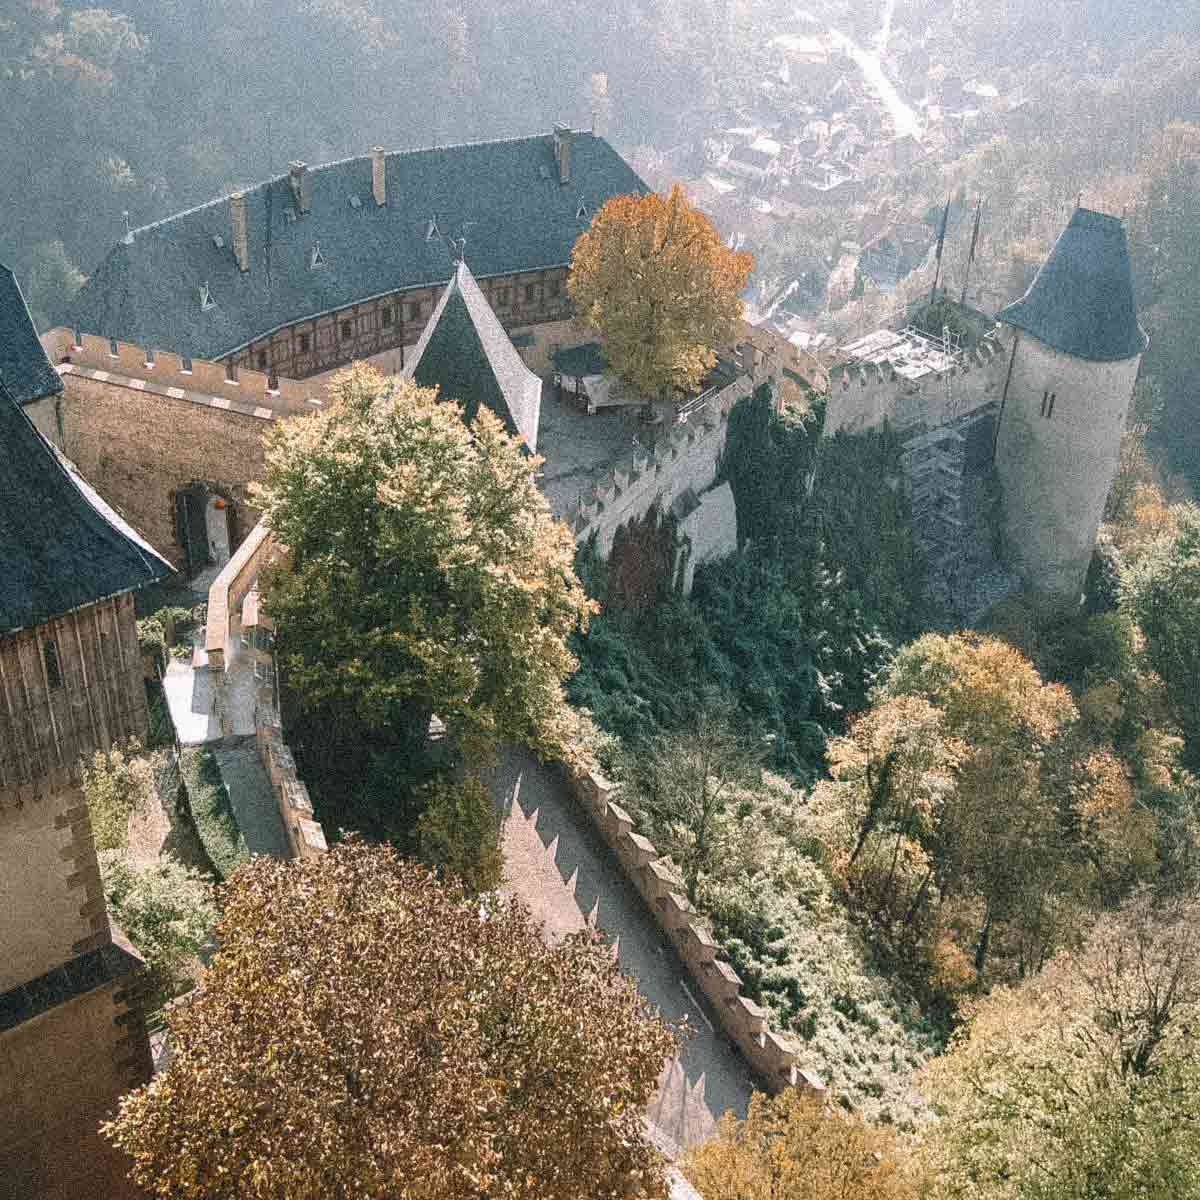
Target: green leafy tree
x=1080 y=1084
x=367 y=1031
x=427 y=574
x=166 y=911
x=459 y=833
x=654 y=279
x=1161 y=592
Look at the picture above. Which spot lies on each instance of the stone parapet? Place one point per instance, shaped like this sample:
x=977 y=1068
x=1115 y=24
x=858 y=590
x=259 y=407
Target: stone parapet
x=252 y=393
x=772 y=1055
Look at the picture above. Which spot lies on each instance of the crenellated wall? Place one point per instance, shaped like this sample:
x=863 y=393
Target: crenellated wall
x=862 y=395
x=200 y=382
x=772 y=1055
x=686 y=456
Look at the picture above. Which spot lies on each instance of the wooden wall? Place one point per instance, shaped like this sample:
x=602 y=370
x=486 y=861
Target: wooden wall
x=388 y=322
x=51 y=718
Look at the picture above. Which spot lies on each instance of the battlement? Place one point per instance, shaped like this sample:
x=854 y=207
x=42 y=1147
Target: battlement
x=218 y=385
x=686 y=455
x=863 y=394
x=773 y=1056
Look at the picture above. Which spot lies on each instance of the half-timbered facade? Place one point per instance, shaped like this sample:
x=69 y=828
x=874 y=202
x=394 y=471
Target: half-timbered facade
x=318 y=268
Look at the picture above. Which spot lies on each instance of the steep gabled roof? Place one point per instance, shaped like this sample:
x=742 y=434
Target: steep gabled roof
x=61 y=546
x=1082 y=299
x=25 y=373
x=465 y=352
x=504 y=197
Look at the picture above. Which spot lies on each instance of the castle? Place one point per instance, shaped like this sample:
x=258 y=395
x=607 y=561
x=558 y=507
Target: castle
x=197 y=333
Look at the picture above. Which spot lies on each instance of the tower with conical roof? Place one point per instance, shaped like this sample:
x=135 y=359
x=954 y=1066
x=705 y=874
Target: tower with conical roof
x=1074 y=355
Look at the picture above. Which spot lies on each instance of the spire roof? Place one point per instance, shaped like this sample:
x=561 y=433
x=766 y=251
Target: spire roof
x=61 y=546
x=1082 y=299
x=466 y=353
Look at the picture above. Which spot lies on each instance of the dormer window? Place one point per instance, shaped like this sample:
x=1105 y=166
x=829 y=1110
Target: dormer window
x=581 y=212
x=432 y=231
x=206 y=298
x=316 y=258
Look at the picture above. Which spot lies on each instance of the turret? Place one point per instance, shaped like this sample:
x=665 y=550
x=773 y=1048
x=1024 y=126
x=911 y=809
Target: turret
x=1074 y=346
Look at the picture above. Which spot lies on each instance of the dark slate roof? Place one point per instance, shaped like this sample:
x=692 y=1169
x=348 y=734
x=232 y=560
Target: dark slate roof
x=466 y=354
x=61 y=546
x=1082 y=299
x=578 y=361
x=504 y=197
x=25 y=372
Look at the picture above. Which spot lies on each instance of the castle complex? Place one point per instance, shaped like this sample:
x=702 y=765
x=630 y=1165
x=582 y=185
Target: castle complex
x=448 y=266
x=72 y=1035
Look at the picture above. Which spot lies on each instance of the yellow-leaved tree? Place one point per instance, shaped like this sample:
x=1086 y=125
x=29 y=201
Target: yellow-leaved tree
x=367 y=1031
x=654 y=279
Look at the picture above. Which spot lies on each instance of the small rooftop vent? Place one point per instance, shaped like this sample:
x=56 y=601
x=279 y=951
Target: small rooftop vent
x=316 y=258
x=218 y=241
x=355 y=202
x=206 y=298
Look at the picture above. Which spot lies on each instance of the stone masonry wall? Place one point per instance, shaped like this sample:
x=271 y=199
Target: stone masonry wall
x=137 y=448
x=772 y=1055
x=686 y=456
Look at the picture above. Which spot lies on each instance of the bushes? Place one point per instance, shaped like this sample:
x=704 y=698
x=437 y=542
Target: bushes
x=116 y=784
x=214 y=818
x=167 y=911
x=459 y=833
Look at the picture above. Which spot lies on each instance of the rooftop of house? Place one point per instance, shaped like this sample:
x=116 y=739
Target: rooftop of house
x=1082 y=299
x=466 y=354
x=506 y=198
x=751 y=157
x=25 y=372
x=61 y=546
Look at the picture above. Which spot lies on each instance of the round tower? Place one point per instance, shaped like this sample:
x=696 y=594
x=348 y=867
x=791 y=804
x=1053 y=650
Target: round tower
x=1074 y=350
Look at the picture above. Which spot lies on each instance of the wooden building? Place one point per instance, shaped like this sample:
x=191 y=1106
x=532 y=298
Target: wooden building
x=72 y=1033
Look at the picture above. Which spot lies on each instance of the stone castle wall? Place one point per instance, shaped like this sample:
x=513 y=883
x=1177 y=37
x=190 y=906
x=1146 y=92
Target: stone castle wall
x=863 y=395
x=687 y=455
x=1056 y=463
x=773 y=1056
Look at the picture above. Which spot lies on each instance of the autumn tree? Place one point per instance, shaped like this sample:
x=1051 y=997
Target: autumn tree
x=794 y=1147
x=427 y=576
x=1161 y=592
x=1082 y=1082
x=654 y=279
x=367 y=1031
x=683 y=784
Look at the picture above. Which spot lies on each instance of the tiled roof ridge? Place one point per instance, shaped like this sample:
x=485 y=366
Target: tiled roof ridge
x=223 y=198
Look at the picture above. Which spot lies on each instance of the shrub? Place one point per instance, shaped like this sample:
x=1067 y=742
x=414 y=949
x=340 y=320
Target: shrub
x=117 y=784
x=459 y=833
x=166 y=911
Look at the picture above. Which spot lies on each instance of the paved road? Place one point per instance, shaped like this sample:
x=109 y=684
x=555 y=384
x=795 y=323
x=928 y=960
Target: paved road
x=557 y=863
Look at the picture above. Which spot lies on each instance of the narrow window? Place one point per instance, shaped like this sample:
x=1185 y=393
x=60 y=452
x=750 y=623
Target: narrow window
x=185 y=365
x=260 y=360
x=414 y=311
x=389 y=315
x=530 y=293
x=555 y=288
x=53 y=669
x=502 y=297
x=230 y=373
x=304 y=343
x=347 y=331
x=112 y=348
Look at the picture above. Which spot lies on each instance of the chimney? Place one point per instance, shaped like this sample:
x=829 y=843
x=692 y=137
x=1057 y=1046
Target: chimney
x=241 y=239
x=301 y=185
x=378 y=175
x=562 y=151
